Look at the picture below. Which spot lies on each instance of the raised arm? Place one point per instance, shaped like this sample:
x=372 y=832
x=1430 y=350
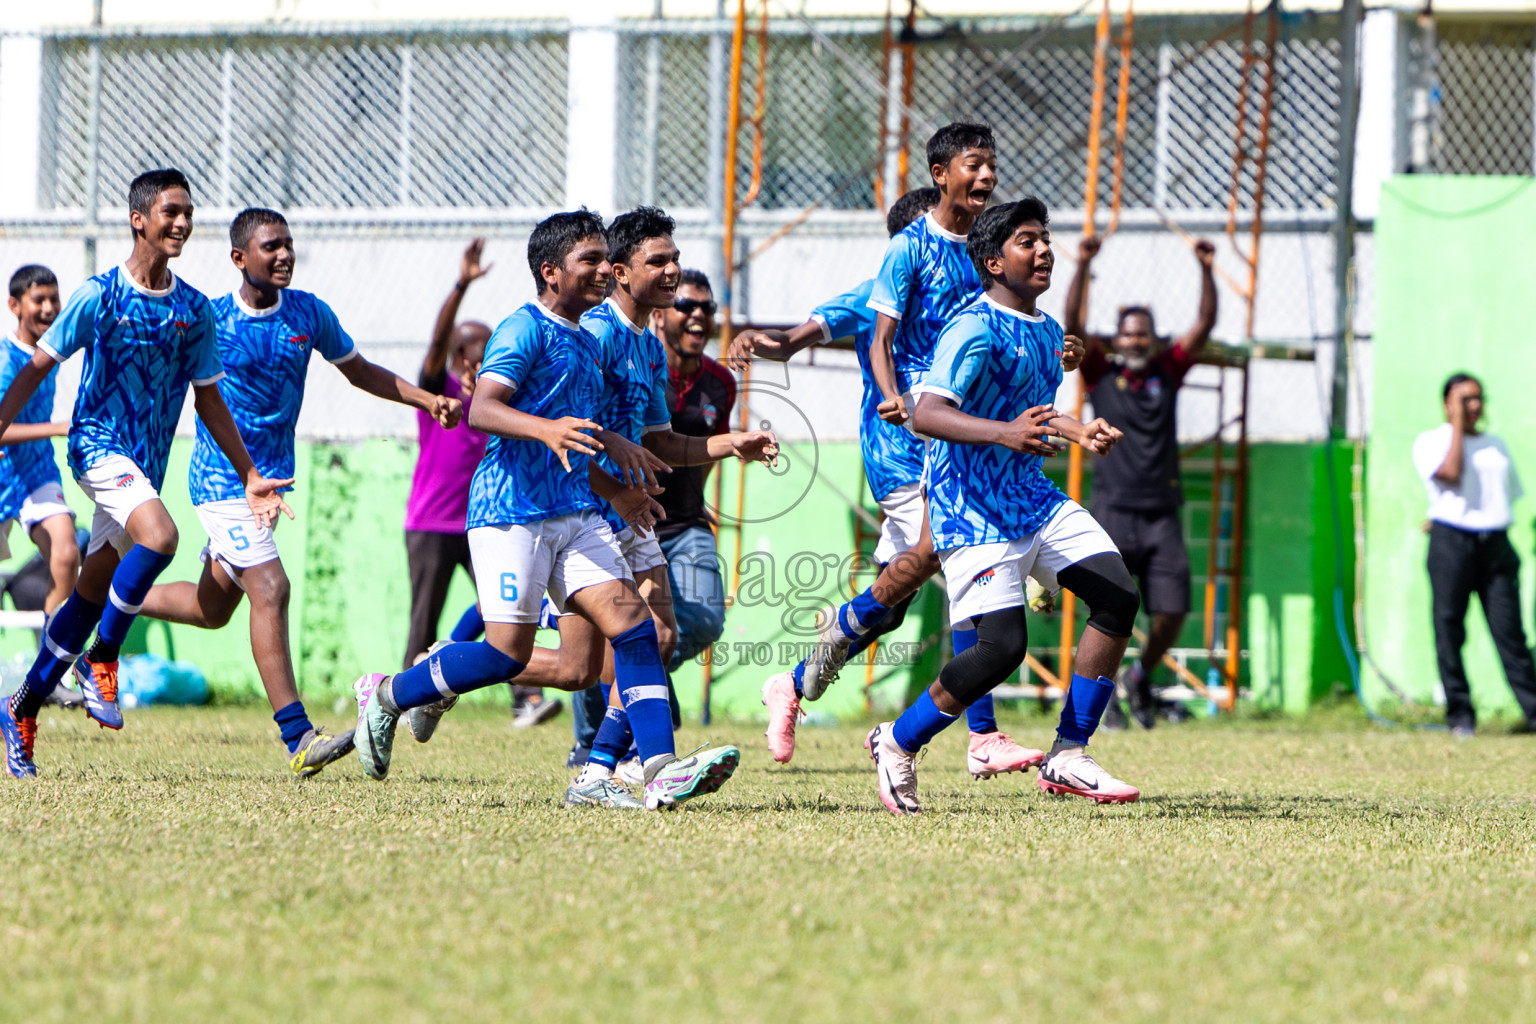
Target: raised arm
x=1192 y=342
x=390 y=386
x=470 y=271
x=1450 y=468
x=1072 y=320
x=22 y=388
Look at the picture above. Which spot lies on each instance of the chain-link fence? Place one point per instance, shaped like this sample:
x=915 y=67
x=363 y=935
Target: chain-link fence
x=391 y=144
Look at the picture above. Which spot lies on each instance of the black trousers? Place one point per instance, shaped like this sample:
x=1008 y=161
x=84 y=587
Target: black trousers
x=432 y=558
x=1462 y=564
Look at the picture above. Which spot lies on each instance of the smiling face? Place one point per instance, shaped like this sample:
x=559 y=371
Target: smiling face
x=689 y=323
x=583 y=276
x=36 y=310
x=267 y=260
x=167 y=225
x=652 y=273
x=1027 y=261
x=1134 y=340
x=968 y=180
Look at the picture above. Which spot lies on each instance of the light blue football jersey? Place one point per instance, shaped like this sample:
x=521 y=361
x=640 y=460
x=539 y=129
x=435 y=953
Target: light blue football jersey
x=266 y=360
x=555 y=369
x=142 y=349
x=890 y=457
x=26 y=467
x=634 y=384
x=924 y=280
x=993 y=363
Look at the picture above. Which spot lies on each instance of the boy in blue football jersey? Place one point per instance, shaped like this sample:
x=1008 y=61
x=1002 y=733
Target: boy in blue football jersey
x=31 y=490
x=990 y=751
x=924 y=279
x=266 y=334
x=146 y=336
x=535 y=525
x=996 y=518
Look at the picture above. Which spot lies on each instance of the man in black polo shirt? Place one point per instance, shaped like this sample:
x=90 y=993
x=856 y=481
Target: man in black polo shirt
x=1133 y=381
x=701 y=394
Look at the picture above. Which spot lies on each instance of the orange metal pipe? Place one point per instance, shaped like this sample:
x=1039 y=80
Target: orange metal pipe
x=1122 y=103
x=1090 y=207
x=887 y=42
x=758 y=111
x=908 y=57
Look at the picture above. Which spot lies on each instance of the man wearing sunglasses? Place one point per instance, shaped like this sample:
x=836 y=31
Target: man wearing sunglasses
x=700 y=393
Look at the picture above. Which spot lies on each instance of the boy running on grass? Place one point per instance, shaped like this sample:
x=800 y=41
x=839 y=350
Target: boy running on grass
x=644 y=262
x=146 y=335
x=31 y=490
x=266 y=333
x=991 y=752
x=997 y=519
x=925 y=278
x=535 y=524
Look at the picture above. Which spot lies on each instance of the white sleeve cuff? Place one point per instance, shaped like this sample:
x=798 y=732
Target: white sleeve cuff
x=826 y=332
x=499 y=379
x=202 y=382
x=880 y=307
x=50 y=352
x=350 y=353
x=651 y=428
x=934 y=389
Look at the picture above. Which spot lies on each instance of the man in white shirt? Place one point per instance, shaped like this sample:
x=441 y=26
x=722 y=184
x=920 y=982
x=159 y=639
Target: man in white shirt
x=1472 y=483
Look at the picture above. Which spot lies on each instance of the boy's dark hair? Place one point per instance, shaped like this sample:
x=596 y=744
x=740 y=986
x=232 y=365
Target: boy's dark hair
x=30 y=275
x=953 y=139
x=248 y=220
x=995 y=226
x=555 y=236
x=910 y=207
x=1445 y=392
x=697 y=278
x=146 y=188
x=1145 y=311
x=629 y=230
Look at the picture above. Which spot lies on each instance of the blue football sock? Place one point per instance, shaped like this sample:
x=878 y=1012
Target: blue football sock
x=1084 y=706
x=470 y=626
x=63 y=641
x=293 y=722
x=863 y=612
x=799 y=676
x=135 y=574
x=642 y=684
x=613 y=739
x=457 y=668
x=919 y=723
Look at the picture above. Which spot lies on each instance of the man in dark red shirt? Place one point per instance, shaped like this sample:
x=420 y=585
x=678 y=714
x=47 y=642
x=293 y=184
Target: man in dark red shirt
x=701 y=394
x=1133 y=381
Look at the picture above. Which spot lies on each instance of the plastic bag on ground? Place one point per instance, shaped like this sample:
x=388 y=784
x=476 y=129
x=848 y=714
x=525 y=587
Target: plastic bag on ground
x=144 y=679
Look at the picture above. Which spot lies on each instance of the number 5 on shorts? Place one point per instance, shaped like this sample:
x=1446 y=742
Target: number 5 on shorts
x=509 y=586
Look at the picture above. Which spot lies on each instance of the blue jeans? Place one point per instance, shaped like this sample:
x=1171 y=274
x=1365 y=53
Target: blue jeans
x=698 y=591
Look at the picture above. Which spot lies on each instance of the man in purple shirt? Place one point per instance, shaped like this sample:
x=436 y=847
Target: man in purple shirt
x=435 y=542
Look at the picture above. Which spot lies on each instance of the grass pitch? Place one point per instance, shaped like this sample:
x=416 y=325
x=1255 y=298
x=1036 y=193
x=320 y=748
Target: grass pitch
x=1270 y=873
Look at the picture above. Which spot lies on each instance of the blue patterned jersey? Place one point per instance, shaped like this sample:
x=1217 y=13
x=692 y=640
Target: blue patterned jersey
x=924 y=280
x=634 y=383
x=993 y=363
x=891 y=459
x=266 y=358
x=555 y=369
x=25 y=467
x=142 y=348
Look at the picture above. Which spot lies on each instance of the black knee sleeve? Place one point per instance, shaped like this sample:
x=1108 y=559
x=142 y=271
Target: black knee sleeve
x=1105 y=585
x=1001 y=641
